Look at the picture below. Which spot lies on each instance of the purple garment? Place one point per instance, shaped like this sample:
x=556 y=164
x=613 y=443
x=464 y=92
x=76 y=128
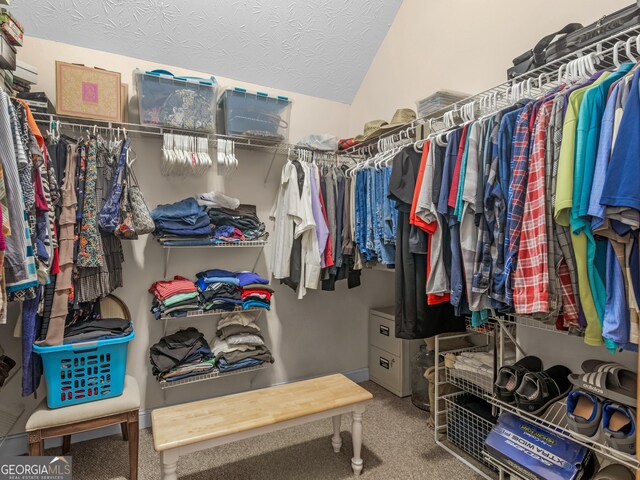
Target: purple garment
x=322 y=229
x=247 y=278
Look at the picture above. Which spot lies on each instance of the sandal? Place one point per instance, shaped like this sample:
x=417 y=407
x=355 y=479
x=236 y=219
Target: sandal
x=510 y=377
x=540 y=389
x=619 y=423
x=609 y=380
x=584 y=413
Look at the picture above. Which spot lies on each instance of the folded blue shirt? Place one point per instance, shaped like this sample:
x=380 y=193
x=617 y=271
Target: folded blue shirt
x=184 y=209
x=247 y=304
x=247 y=278
x=225 y=366
x=203 y=282
x=187 y=232
x=215 y=272
x=178 y=223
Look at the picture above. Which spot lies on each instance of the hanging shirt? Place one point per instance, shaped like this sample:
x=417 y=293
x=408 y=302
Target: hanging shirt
x=531 y=278
x=587 y=136
x=517 y=193
x=565 y=260
x=305 y=227
x=564 y=201
x=282 y=214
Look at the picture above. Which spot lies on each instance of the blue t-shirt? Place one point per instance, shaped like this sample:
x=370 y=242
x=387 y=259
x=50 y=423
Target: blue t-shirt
x=622 y=185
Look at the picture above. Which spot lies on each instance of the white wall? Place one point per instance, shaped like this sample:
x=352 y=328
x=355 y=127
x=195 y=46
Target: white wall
x=462 y=45
x=467 y=46
x=324 y=333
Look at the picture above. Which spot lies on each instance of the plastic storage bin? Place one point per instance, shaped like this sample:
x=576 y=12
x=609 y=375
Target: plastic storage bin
x=187 y=103
x=255 y=115
x=84 y=372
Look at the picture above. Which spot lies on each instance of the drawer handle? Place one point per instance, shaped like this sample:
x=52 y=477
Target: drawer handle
x=384 y=363
x=384 y=330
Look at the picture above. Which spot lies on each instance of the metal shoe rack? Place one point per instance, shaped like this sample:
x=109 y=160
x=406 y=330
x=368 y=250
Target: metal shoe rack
x=498 y=334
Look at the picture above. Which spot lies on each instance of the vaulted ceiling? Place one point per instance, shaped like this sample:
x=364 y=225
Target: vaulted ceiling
x=316 y=47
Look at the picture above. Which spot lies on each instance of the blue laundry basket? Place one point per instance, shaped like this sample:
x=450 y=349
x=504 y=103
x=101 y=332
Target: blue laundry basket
x=84 y=372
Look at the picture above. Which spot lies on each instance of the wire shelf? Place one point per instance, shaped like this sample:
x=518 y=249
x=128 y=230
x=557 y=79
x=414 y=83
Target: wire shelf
x=465 y=372
x=247 y=243
x=215 y=374
x=529 y=322
x=604 y=49
x=555 y=419
x=466 y=429
x=511 y=470
x=156 y=131
x=210 y=313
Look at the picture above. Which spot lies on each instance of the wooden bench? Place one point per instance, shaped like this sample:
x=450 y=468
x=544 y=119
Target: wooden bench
x=196 y=426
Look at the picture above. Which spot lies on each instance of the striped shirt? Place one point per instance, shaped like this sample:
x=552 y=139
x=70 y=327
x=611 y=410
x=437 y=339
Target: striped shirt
x=16 y=256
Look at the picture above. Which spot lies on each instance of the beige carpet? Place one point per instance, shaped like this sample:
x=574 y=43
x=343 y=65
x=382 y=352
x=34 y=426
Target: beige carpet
x=397 y=445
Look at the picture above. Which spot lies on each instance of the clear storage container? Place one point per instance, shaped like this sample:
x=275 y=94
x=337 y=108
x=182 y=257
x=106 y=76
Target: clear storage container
x=256 y=115
x=187 y=103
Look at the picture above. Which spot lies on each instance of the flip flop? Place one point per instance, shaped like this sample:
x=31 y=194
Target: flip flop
x=510 y=377
x=609 y=380
x=619 y=423
x=615 y=471
x=540 y=389
x=584 y=413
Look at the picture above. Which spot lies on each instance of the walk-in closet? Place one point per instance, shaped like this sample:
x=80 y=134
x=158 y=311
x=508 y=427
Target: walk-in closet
x=387 y=239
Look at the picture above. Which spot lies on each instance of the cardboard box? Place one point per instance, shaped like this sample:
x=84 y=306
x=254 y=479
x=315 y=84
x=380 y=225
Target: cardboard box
x=536 y=453
x=88 y=92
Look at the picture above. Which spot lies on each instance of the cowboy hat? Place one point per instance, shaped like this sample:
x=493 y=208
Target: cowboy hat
x=402 y=116
x=371 y=129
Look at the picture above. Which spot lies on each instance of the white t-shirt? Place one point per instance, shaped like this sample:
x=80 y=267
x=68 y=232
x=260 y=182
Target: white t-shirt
x=282 y=213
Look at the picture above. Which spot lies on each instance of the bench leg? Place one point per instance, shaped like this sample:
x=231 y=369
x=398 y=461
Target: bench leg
x=132 y=430
x=169 y=465
x=356 y=433
x=336 y=440
x=66 y=444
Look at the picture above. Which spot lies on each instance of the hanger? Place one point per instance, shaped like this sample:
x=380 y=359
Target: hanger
x=628 y=50
x=616 y=58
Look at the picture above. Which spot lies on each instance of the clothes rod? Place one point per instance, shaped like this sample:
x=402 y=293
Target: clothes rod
x=152 y=131
x=604 y=49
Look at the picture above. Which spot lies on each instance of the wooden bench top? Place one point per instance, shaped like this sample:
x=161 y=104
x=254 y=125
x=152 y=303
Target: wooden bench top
x=195 y=422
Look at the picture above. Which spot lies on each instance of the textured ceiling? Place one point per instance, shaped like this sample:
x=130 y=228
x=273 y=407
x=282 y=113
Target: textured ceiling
x=317 y=47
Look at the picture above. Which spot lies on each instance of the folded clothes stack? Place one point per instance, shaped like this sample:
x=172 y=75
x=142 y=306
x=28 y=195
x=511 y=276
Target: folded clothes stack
x=209 y=219
x=256 y=295
x=92 y=329
x=242 y=221
x=180 y=355
x=182 y=219
x=174 y=298
x=219 y=290
x=225 y=290
x=239 y=344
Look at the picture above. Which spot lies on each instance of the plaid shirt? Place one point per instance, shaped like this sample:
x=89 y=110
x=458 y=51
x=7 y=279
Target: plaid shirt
x=517 y=194
x=495 y=213
x=531 y=278
x=569 y=291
